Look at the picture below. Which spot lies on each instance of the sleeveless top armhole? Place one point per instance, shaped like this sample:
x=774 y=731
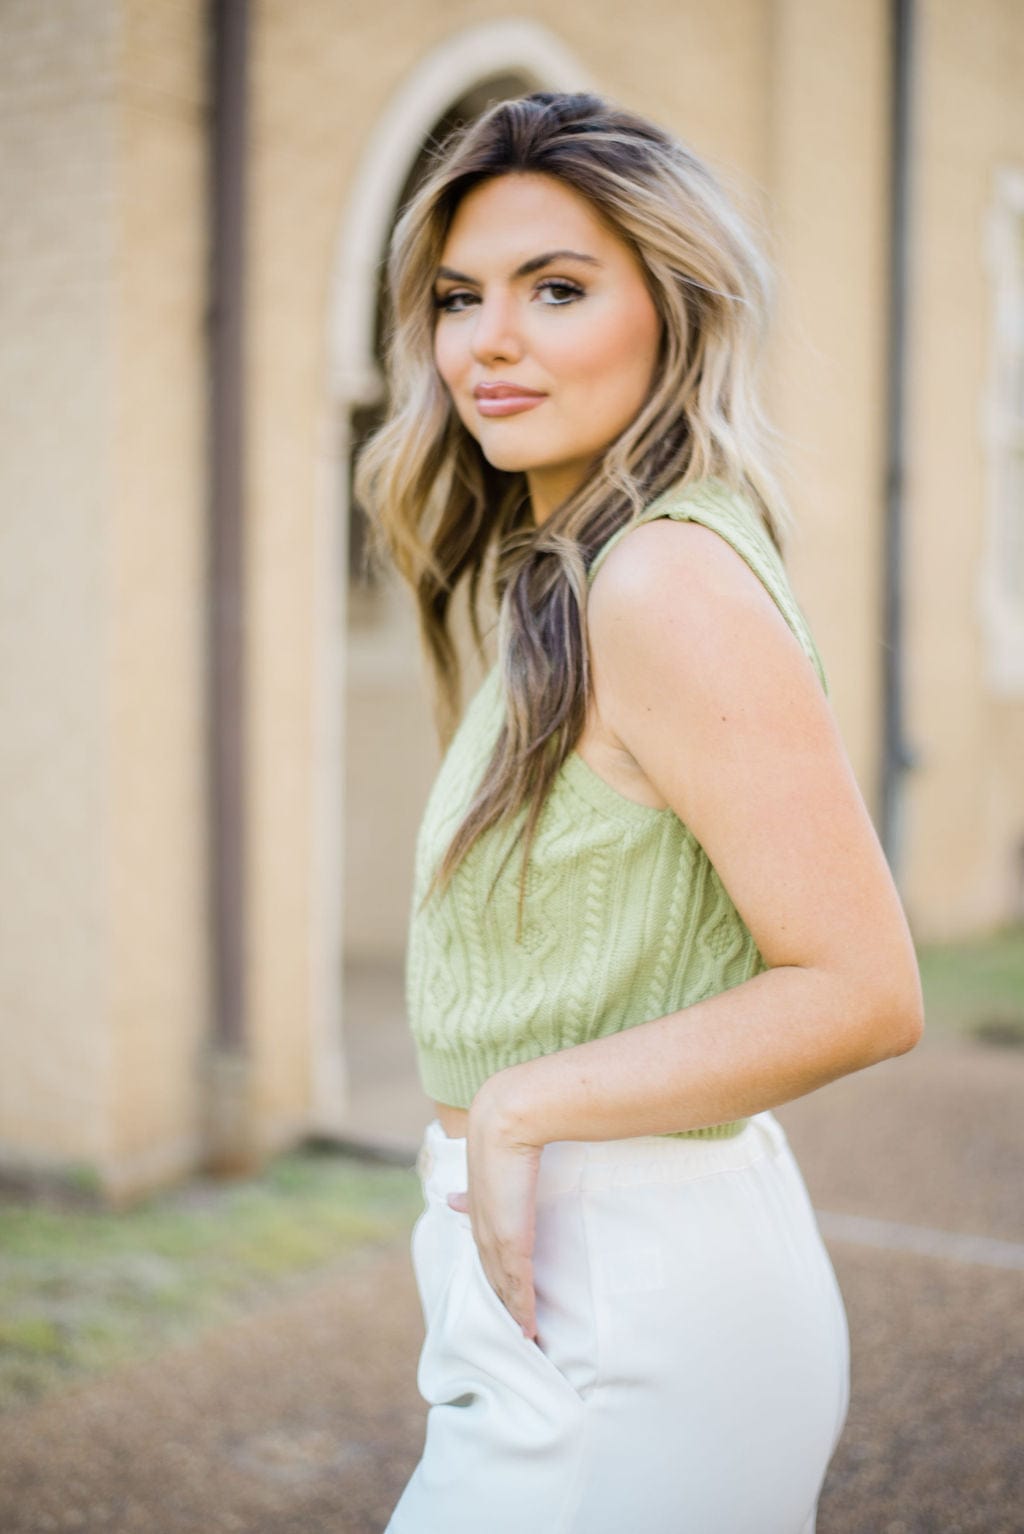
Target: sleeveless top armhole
x=730 y=514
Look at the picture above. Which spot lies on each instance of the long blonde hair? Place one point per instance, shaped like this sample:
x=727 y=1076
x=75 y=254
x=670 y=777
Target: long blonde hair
x=436 y=506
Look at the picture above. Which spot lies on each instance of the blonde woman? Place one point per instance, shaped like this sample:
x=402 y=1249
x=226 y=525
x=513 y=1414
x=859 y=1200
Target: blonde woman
x=631 y=1319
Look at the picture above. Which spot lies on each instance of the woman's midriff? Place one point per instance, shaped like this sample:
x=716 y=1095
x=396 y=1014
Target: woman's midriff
x=453 y=1120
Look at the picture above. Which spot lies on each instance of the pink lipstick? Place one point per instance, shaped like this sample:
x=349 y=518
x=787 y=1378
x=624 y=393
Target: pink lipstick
x=507 y=404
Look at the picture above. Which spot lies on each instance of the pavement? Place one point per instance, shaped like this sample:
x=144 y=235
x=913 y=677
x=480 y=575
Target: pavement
x=304 y=1418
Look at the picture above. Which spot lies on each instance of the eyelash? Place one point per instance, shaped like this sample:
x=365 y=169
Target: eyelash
x=444 y=301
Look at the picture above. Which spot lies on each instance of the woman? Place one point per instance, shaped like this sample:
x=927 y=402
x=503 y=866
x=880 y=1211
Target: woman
x=631 y=1318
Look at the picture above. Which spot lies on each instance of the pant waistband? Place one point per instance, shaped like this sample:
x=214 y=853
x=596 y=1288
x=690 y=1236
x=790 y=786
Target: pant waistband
x=442 y=1159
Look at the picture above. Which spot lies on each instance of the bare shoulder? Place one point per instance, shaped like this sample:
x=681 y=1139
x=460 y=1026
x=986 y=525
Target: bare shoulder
x=695 y=671
x=710 y=692
x=676 y=593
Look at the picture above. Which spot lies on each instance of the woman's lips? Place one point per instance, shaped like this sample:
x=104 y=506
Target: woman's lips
x=508 y=404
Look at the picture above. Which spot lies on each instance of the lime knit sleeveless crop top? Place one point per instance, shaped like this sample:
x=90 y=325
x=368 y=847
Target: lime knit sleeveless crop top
x=625 y=918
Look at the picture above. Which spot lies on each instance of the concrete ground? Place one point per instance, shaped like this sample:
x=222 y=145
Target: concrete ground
x=304 y=1418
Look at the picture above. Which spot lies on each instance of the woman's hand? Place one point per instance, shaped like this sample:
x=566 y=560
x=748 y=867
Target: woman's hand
x=501 y=1203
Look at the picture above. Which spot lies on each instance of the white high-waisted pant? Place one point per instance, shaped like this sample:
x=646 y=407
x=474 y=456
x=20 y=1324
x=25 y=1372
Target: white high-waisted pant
x=692 y=1370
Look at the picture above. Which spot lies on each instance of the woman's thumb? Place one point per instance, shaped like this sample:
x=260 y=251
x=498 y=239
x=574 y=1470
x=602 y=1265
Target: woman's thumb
x=459 y=1201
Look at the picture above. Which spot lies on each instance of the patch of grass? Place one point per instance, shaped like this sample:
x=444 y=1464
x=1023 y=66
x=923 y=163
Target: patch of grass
x=976 y=988
x=84 y=1289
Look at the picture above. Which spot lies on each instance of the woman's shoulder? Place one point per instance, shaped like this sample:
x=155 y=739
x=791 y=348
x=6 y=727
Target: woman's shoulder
x=694 y=556
x=677 y=573
x=686 y=538
x=708 y=502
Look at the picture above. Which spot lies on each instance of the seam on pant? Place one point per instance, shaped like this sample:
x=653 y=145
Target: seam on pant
x=567 y=1513
x=599 y=1348
x=571 y=1506
x=575 y=1497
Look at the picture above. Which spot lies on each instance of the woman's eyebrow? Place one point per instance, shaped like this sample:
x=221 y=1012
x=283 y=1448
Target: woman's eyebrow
x=533 y=265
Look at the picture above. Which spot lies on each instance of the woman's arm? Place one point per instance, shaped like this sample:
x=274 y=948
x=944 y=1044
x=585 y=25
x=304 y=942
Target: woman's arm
x=699 y=676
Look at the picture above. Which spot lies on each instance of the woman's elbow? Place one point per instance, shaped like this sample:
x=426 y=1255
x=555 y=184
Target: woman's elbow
x=898 y=1022
x=908 y=1034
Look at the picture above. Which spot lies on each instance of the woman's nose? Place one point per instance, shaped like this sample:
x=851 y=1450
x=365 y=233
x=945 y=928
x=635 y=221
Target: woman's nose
x=496 y=332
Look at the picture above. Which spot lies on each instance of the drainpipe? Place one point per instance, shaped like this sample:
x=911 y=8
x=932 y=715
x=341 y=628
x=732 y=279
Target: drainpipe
x=897 y=755
x=229 y=1136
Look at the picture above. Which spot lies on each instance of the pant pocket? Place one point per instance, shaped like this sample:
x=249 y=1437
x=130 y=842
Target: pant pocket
x=496 y=1338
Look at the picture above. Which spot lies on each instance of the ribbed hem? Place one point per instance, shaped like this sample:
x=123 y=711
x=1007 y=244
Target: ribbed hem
x=456 y=1079
x=710 y=1132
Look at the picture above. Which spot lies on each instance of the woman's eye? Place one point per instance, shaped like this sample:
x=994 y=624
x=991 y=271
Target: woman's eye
x=449 y=300
x=562 y=293
x=570 y=288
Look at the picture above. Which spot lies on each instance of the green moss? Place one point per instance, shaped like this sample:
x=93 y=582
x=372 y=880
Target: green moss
x=83 y=1178
x=976 y=988
x=30 y=1334
x=82 y=1289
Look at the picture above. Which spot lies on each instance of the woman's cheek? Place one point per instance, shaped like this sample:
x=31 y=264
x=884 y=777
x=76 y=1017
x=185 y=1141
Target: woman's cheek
x=446 y=359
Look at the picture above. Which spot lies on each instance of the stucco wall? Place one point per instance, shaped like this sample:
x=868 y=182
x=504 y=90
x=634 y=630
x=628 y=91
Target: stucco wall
x=58 y=147
x=103 y=963
x=828 y=190
x=160 y=930
x=104 y=920
x=967 y=805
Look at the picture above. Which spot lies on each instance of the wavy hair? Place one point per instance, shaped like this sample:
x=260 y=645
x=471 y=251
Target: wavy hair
x=437 y=507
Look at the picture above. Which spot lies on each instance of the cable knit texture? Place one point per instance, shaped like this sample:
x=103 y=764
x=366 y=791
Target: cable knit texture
x=625 y=917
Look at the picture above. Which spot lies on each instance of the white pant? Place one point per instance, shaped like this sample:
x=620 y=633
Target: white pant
x=691 y=1374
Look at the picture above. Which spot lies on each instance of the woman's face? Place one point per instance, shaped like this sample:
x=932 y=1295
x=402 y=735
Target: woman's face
x=578 y=327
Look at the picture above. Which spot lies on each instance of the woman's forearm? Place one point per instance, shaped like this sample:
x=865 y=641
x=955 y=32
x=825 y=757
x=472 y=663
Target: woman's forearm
x=775 y=1037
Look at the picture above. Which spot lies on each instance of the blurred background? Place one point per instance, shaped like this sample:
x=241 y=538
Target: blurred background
x=216 y=737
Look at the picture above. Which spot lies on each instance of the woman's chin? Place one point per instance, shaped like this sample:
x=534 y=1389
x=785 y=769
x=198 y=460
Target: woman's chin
x=507 y=459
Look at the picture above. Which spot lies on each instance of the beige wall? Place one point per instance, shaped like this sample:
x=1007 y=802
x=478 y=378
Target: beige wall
x=158 y=981
x=966 y=809
x=104 y=920
x=57 y=303
x=103 y=968
x=827 y=197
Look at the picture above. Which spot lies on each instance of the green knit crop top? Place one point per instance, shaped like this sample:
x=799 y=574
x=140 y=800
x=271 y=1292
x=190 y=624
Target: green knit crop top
x=625 y=918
